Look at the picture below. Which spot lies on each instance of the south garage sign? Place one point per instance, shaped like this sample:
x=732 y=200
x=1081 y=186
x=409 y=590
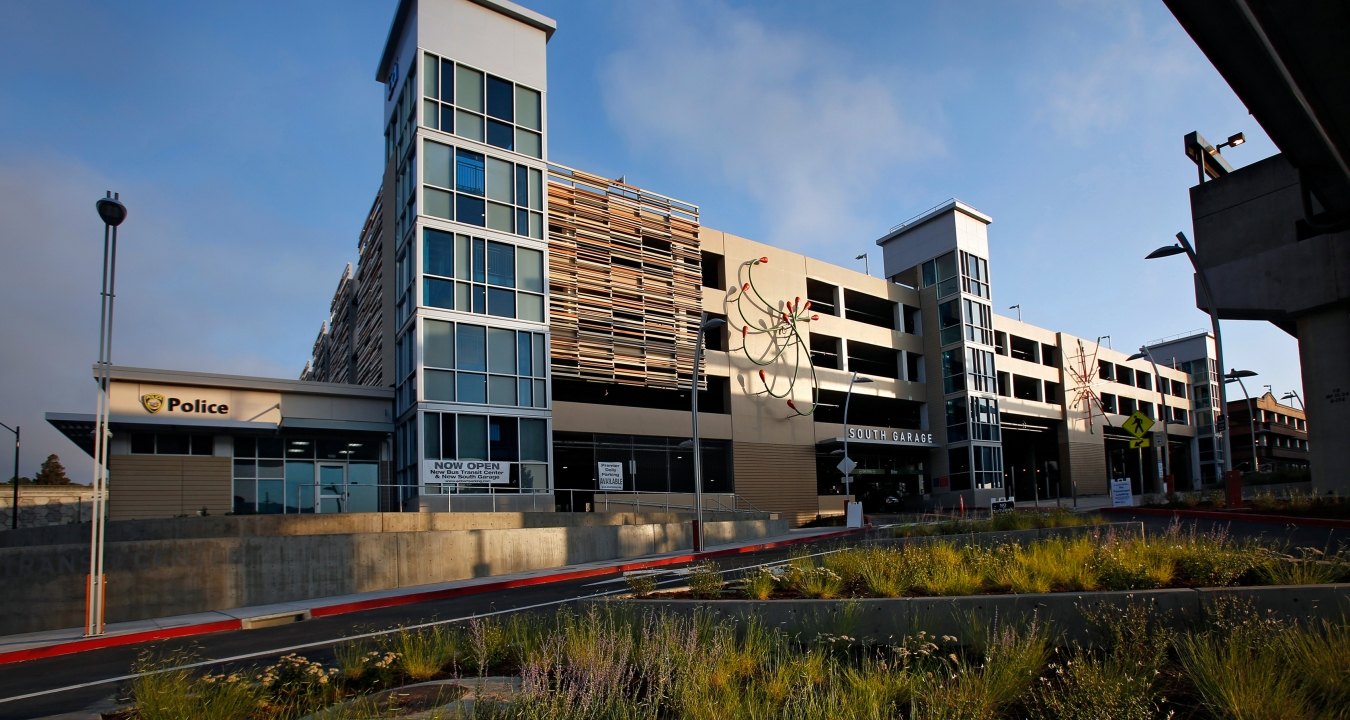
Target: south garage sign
x=465 y=472
x=890 y=436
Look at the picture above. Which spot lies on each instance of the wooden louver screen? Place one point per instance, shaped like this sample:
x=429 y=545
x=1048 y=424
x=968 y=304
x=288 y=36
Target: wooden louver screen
x=624 y=282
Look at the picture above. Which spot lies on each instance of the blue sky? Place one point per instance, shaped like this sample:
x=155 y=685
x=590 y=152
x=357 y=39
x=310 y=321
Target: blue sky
x=246 y=141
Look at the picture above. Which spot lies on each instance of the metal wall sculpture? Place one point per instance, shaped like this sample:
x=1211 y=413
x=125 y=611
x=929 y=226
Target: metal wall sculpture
x=772 y=339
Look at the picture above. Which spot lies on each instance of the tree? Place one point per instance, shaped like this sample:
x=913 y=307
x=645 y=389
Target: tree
x=51 y=472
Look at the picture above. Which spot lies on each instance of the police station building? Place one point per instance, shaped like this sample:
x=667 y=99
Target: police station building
x=513 y=325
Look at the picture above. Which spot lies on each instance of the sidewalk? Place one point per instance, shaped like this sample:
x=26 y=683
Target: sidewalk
x=52 y=643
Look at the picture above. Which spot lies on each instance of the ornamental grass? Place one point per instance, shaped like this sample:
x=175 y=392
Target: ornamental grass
x=611 y=660
x=1099 y=561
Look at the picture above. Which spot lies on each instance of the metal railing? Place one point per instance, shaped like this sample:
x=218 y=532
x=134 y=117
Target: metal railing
x=310 y=499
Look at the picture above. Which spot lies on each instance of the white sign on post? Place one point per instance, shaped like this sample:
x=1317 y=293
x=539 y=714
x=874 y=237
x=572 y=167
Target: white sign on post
x=1121 y=493
x=847 y=466
x=610 y=475
x=472 y=472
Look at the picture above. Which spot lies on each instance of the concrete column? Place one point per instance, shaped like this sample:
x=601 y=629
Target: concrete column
x=1324 y=345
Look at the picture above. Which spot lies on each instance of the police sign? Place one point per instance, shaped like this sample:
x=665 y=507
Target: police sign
x=470 y=472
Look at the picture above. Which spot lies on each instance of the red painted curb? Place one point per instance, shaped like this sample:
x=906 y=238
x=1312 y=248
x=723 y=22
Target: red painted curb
x=108 y=641
x=1231 y=515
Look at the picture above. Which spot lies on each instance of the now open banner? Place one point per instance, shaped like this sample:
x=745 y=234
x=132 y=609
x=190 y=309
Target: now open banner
x=473 y=472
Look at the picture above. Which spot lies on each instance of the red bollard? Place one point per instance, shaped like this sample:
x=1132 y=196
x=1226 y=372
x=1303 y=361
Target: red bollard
x=1233 y=488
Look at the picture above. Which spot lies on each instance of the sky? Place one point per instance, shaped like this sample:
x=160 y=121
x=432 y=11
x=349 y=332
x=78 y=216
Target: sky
x=246 y=140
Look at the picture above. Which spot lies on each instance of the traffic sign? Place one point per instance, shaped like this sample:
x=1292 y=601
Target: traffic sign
x=1137 y=443
x=1137 y=424
x=846 y=465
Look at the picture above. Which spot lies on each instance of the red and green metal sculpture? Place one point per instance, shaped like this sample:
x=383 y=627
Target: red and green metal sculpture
x=771 y=339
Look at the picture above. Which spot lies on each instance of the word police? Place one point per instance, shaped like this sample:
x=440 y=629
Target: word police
x=154 y=402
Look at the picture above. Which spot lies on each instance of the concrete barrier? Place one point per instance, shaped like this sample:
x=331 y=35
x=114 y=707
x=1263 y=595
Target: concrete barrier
x=1066 y=614
x=258 y=560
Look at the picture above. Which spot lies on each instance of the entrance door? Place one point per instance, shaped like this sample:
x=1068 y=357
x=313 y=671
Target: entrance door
x=331 y=488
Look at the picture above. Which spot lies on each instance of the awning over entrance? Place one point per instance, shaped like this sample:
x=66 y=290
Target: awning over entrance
x=79 y=428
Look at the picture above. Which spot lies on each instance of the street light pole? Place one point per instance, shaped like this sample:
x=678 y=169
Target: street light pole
x=1251 y=412
x=112 y=212
x=705 y=323
x=1185 y=247
x=14 y=516
x=866 y=270
x=1293 y=395
x=848 y=476
x=1162 y=410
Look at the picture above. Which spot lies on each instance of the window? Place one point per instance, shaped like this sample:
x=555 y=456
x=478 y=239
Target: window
x=980 y=368
x=956 y=420
x=475 y=364
x=869 y=309
x=1108 y=402
x=1026 y=388
x=823 y=297
x=825 y=351
x=484 y=108
x=984 y=421
x=1021 y=348
x=941 y=271
x=713 y=274
x=979 y=322
x=470 y=187
x=523 y=443
x=974 y=275
x=481 y=276
x=949 y=322
x=987 y=466
x=171 y=444
x=953 y=371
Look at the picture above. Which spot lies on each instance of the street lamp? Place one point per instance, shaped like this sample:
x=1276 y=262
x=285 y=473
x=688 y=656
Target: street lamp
x=15 y=514
x=848 y=462
x=1251 y=413
x=1293 y=395
x=1184 y=247
x=866 y=270
x=112 y=212
x=705 y=323
x=1018 y=308
x=1208 y=161
x=1165 y=480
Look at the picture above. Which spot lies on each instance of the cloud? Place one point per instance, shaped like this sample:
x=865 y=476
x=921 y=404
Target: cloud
x=1100 y=87
x=778 y=115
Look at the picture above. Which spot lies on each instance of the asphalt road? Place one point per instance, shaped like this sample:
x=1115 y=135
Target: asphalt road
x=94 y=680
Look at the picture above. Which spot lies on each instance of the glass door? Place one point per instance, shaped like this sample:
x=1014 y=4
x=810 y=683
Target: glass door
x=331 y=488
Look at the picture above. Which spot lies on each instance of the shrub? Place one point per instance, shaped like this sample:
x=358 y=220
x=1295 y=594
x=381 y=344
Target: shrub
x=641 y=584
x=760 y=584
x=163 y=691
x=705 y=580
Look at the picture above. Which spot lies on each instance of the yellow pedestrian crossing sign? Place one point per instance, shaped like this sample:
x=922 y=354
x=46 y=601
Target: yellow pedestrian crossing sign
x=1137 y=443
x=1137 y=425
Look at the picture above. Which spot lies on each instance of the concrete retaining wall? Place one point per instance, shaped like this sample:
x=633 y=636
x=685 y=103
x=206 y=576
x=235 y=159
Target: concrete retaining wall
x=42 y=505
x=883 y=620
x=43 y=586
x=237 y=526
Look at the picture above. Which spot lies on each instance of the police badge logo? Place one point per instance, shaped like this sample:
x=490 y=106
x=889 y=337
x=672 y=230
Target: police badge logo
x=152 y=402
